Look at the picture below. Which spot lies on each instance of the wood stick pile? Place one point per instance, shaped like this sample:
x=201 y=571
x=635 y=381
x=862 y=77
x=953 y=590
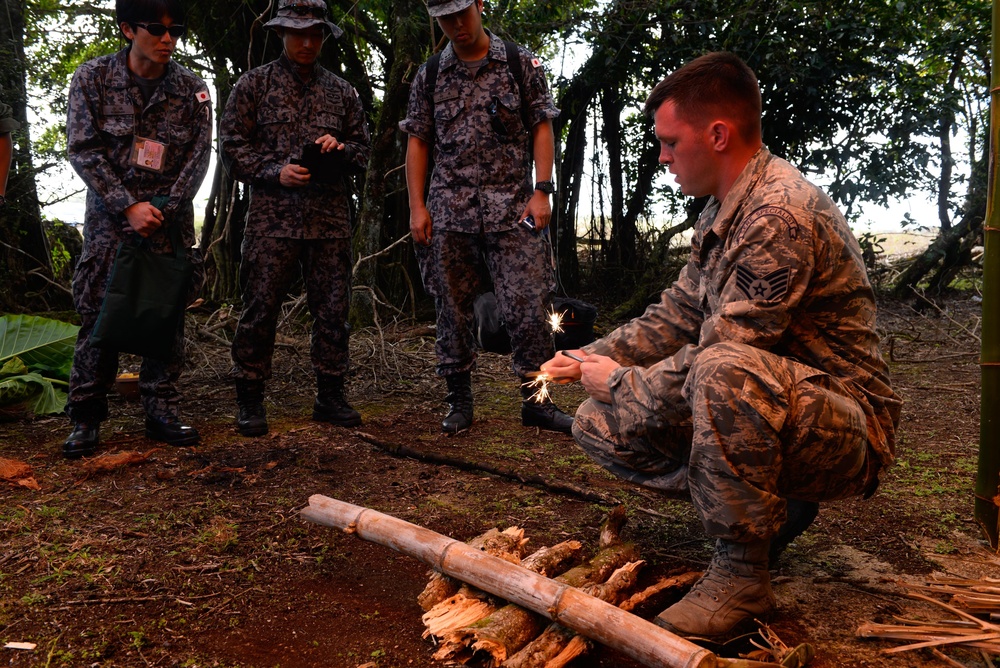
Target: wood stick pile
x=968 y=600
x=471 y=627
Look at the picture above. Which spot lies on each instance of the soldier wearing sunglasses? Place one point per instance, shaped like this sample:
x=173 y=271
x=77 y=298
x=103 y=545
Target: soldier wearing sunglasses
x=296 y=133
x=139 y=129
x=484 y=128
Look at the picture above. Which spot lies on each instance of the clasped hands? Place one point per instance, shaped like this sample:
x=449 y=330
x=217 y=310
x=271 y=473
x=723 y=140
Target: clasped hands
x=593 y=372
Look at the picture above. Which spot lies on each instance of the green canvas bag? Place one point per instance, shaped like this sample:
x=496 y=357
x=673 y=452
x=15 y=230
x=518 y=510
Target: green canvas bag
x=145 y=300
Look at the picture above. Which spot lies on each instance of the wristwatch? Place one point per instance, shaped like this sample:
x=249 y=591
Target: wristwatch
x=546 y=187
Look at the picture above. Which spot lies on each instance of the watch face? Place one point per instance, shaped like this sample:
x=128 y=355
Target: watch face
x=545 y=186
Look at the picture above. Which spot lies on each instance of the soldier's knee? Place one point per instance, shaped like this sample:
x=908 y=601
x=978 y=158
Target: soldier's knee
x=723 y=364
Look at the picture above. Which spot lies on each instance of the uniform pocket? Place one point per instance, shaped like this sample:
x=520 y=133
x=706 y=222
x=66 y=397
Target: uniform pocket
x=118 y=126
x=448 y=107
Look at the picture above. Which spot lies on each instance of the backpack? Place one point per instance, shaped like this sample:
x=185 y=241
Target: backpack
x=490 y=330
x=513 y=56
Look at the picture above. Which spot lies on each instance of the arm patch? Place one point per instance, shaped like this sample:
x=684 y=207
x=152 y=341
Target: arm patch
x=771 y=287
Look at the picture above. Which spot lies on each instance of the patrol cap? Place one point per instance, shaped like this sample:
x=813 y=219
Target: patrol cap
x=444 y=7
x=302 y=14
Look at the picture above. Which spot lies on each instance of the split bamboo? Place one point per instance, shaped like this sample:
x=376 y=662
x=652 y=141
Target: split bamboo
x=632 y=636
x=987 y=511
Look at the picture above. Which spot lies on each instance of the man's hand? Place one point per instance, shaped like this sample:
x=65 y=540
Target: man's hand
x=420 y=225
x=540 y=208
x=561 y=366
x=594 y=373
x=328 y=143
x=144 y=218
x=294 y=176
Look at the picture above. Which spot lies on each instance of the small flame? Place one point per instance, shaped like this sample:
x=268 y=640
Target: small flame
x=555 y=321
x=540 y=383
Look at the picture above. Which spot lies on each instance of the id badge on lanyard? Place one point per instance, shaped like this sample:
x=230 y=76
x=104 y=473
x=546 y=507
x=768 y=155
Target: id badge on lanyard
x=148 y=154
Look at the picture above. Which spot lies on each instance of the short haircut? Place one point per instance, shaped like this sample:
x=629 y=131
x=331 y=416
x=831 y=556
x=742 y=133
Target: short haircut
x=715 y=85
x=148 y=11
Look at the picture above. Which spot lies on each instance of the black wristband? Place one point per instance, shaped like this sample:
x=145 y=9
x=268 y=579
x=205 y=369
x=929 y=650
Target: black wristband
x=546 y=187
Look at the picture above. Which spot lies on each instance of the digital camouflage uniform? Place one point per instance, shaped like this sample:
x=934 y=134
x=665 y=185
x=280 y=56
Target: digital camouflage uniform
x=105 y=112
x=269 y=117
x=757 y=377
x=7 y=122
x=480 y=185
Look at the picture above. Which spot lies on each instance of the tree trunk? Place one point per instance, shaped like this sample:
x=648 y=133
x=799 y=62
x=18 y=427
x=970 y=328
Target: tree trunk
x=949 y=243
x=25 y=258
x=385 y=210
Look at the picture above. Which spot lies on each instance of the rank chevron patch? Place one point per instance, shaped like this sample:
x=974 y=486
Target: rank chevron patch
x=771 y=287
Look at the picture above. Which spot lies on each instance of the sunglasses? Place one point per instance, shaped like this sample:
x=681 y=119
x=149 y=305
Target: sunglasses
x=493 y=111
x=158 y=29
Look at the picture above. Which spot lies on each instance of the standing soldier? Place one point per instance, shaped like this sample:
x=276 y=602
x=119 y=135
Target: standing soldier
x=7 y=126
x=294 y=132
x=483 y=110
x=134 y=103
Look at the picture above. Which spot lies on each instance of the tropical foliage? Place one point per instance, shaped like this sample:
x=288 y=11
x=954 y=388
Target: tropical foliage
x=35 y=359
x=867 y=96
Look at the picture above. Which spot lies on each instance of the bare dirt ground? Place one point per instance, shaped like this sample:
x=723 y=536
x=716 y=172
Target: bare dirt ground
x=197 y=556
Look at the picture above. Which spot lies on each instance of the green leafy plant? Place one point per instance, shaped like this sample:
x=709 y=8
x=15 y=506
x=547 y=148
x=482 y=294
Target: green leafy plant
x=35 y=358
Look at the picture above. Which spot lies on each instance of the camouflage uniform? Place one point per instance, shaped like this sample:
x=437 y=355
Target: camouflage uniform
x=105 y=113
x=7 y=122
x=270 y=115
x=480 y=185
x=757 y=377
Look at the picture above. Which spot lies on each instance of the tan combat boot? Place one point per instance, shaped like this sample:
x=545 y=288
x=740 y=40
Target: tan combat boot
x=735 y=588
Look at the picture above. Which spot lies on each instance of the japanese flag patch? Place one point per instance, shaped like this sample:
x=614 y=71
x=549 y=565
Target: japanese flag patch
x=202 y=96
x=536 y=63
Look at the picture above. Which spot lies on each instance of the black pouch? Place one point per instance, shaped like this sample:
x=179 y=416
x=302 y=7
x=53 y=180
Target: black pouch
x=489 y=326
x=323 y=167
x=578 y=318
x=144 y=304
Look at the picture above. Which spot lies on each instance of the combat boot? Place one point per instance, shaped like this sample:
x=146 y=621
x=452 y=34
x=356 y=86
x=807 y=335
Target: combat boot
x=735 y=588
x=331 y=406
x=83 y=441
x=543 y=414
x=459 y=403
x=251 y=419
x=798 y=516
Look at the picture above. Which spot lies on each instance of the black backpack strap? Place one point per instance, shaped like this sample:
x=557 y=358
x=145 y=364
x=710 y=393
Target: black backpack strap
x=514 y=63
x=433 y=63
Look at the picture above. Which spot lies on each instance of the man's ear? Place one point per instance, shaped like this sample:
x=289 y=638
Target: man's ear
x=719 y=134
x=127 y=31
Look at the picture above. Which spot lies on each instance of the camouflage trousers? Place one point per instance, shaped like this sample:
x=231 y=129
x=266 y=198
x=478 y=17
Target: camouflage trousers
x=94 y=369
x=745 y=431
x=519 y=263
x=267 y=271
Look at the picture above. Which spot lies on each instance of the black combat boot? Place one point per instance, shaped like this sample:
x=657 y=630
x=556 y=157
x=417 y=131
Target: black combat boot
x=735 y=588
x=544 y=414
x=83 y=441
x=251 y=420
x=799 y=515
x=459 y=403
x=331 y=406
x=170 y=430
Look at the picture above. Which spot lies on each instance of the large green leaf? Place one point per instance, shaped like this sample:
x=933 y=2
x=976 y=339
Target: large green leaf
x=37 y=391
x=43 y=344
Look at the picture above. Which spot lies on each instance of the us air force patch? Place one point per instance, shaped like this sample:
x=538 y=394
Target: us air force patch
x=771 y=287
x=768 y=212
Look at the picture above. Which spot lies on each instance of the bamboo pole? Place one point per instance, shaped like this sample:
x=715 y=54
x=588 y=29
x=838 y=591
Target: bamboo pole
x=633 y=636
x=988 y=476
